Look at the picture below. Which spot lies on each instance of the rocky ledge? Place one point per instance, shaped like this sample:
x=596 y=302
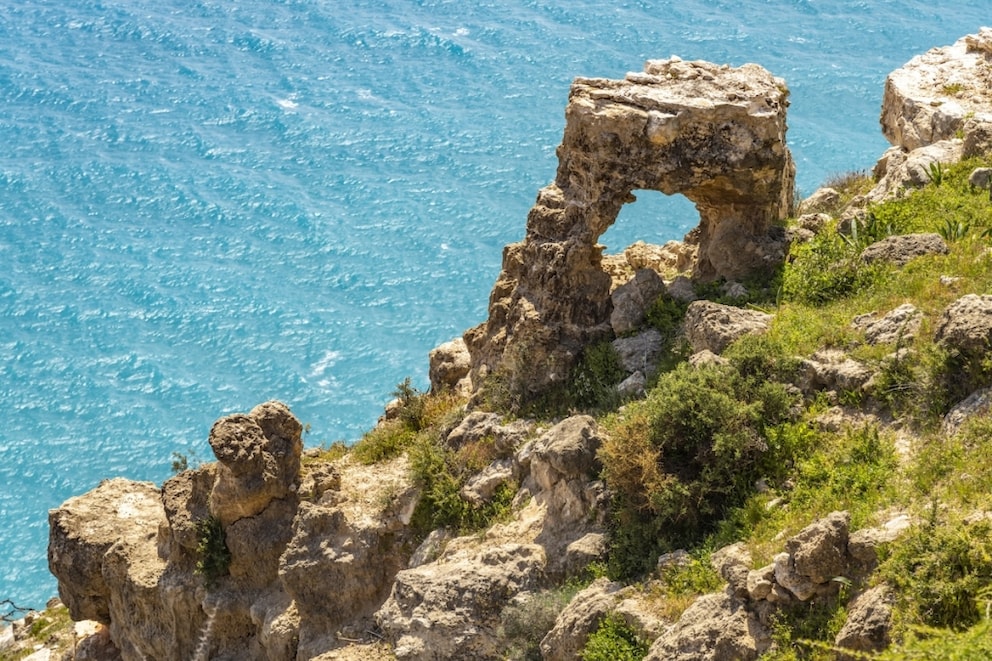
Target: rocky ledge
x=277 y=553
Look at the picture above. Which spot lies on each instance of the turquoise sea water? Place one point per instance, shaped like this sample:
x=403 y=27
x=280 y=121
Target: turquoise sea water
x=206 y=204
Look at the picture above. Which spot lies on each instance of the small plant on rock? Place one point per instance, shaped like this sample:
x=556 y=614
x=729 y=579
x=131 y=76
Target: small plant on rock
x=213 y=556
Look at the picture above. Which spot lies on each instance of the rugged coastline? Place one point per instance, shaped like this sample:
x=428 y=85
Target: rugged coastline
x=277 y=553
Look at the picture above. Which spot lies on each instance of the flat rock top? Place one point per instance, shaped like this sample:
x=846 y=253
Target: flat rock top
x=665 y=84
x=950 y=76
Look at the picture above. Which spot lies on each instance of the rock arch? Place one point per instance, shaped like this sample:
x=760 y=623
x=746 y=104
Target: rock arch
x=714 y=134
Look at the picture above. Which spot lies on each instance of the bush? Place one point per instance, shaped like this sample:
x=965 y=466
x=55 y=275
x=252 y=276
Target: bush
x=593 y=382
x=826 y=268
x=213 y=556
x=677 y=462
x=614 y=641
x=942 y=573
x=440 y=473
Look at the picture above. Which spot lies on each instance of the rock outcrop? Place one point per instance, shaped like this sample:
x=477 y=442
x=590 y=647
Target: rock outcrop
x=715 y=134
x=713 y=327
x=941 y=95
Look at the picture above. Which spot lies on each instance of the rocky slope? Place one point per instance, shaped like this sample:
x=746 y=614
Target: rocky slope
x=276 y=553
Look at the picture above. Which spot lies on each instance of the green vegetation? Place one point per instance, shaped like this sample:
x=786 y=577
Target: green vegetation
x=718 y=454
x=213 y=556
x=524 y=623
x=614 y=640
x=678 y=460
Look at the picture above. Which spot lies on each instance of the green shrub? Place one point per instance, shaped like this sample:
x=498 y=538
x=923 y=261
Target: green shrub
x=213 y=556
x=678 y=461
x=440 y=473
x=930 y=644
x=593 y=383
x=828 y=267
x=614 y=641
x=942 y=573
x=418 y=413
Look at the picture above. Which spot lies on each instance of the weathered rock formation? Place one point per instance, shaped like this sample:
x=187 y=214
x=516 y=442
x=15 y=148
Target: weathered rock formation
x=936 y=109
x=712 y=133
x=941 y=95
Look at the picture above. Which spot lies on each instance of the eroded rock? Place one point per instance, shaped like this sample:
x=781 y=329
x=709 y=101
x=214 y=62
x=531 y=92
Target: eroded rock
x=715 y=134
x=712 y=326
x=902 y=248
x=940 y=94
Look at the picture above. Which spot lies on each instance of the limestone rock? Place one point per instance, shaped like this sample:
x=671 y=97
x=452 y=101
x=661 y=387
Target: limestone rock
x=733 y=564
x=681 y=289
x=712 y=326
x=902 y=248
x=976 y=403
x=822 y=199
x=715 y=134
x=898 y=325
x=830 y=369
x=632 y=300
x=715 y=626
x=707 y=357
x=640 y=353
x=579 y=619
x=449 y=365
x=451 y=608
x=899 y=171
x=869 y=620
x=479 y=425
x=819 y=551
x=981 y=178
x=938 y=94
x=259 y=455
x=340 y=564
x=85 y=528
x=966 y=324
x=672 y=257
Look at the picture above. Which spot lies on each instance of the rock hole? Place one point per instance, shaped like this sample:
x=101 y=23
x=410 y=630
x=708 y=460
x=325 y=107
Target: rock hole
x=654 y=218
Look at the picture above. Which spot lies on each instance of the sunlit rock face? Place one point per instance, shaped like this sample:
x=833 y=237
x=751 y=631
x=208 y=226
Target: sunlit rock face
x=714 y=134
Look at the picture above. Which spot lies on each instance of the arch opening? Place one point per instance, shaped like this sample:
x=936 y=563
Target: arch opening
x=653 y=218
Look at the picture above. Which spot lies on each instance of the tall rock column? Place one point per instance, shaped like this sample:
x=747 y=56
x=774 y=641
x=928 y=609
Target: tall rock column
x=714 y=134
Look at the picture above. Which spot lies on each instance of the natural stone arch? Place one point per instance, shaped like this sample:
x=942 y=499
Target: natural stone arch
x=714 y=134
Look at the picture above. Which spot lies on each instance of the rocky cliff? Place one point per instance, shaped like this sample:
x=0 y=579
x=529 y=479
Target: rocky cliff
x=457 y=533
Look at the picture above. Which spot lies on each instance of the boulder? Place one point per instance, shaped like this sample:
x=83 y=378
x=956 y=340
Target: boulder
x=869 y=620
x=819 y=551
x=451 y=608
x=899 y=171
x=632 y=300
x=966 y=325
x=672 y=257
x=902 y=248
x=898 y=325
x=259 y=455
x=641 y=352
x=479 y=425
x=713 y=133
x=822 y=199
x=449 y=366
x=830 y=369
x=712 y=326
x=977 y=403
x=85 y=528
x=580 y=618
x=715 y=626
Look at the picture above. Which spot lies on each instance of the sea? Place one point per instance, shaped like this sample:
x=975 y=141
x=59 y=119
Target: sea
x=208 y=204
